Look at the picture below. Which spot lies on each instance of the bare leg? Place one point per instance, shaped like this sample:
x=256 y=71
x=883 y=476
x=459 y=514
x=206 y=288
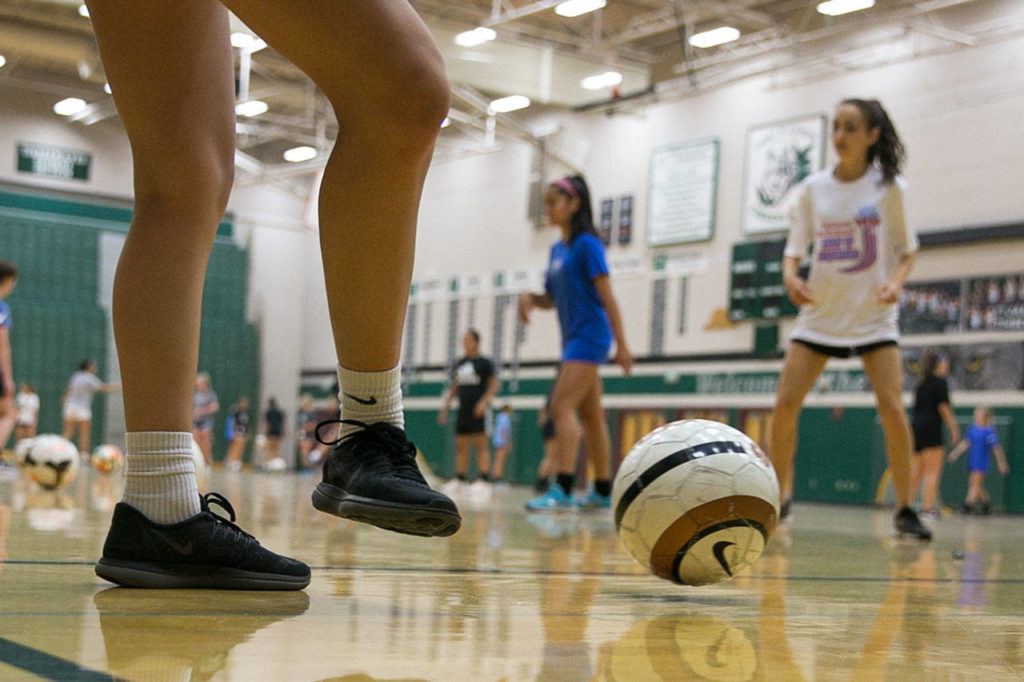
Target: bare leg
x=930 y=465
x=170 y=68
x=595 y=430
x=499 y=462
x=975 y=487
x=483 y=457
x=574 y=382
x=84 y=433
x=461 y=454
x=884 y=370
x=8 y=417
x=799 y=372
x=378 y=65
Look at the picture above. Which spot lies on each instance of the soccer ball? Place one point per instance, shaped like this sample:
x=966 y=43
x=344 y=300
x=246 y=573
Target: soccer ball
x=21 y=449
x=106 y=458
x=695 y=501
x=200 y=465
x=51 y=461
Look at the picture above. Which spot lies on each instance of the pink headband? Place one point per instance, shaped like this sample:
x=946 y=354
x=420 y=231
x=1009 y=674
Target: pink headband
x=565 y=184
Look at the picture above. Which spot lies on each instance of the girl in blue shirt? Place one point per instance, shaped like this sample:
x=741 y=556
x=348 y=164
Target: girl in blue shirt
x=979 y=439
x=578 y=287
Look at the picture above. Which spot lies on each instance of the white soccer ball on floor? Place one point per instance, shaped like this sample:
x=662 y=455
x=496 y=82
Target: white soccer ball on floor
x=51 y=461
x=695 y=501
x=106 y=458
x=200 y=466
x=21 y=449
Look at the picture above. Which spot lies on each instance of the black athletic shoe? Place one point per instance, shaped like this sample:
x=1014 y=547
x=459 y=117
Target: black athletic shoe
x=204 y=551
x=371 y=476
x=785 y=508
x=908 y=523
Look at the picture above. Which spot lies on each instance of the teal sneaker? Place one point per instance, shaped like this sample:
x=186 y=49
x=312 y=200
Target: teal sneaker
x=553 y=500
x=592 y=500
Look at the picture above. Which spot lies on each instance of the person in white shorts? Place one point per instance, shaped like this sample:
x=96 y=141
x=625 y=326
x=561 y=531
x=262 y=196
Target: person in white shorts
x=851 y=217
x=27 y=403
x=77 y=402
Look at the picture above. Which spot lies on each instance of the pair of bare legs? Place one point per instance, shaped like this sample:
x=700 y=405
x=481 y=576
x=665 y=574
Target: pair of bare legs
x=577 y=391
x=800 y=370
x=82 y=428
x=926 y=474
x=976 y=491
x=170 y=67
x=478 y=441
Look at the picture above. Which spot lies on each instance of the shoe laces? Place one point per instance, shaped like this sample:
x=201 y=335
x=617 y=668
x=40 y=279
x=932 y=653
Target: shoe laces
x=222 y=502
x=380 y=436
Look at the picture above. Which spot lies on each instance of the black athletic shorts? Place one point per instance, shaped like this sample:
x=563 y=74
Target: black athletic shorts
x=845 y=351
x=467 y=424
x=927 y=435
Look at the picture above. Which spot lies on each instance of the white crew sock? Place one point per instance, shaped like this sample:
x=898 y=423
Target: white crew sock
x=160 y=480
x=370 y=397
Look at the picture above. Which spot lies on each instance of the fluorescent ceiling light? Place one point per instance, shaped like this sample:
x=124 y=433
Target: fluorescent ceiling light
x=507 y=104
x=716 y=36
x=478 y=36
x=253 y=107
x=297 y=154
x=446 y=122
x=3 y=60
x=83 y=11
x=574 y=8
x=608 y=79
x=834 y=8
x=106 y=88
x=69 y=106
x=247 y=41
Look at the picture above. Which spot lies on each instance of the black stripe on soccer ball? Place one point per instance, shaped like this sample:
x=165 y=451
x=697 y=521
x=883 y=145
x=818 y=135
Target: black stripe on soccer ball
x=669 y=462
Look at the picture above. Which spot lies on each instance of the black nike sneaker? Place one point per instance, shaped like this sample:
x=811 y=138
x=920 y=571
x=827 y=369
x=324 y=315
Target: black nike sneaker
x=908 y=523
x=204 y=551
x=371 y=476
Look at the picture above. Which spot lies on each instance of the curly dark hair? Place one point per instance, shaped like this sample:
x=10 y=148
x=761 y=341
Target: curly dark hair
x=888 y=150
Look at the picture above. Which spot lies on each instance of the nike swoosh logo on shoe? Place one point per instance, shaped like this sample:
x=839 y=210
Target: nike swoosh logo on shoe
x=184 y=549
x=361 y=401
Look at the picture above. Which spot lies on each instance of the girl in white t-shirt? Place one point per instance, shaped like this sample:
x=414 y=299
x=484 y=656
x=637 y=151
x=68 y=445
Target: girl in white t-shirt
x=27 y=403
x=77 y=403
x=852 y=219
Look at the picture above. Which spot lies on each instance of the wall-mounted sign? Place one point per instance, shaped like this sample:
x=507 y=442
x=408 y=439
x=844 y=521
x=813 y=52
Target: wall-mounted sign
x=53 y=162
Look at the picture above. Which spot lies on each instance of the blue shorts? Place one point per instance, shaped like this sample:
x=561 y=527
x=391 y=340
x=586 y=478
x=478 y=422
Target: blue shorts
x=977 y=465
x=584 y=350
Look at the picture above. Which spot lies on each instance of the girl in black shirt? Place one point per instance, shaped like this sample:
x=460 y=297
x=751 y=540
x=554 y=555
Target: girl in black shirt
x=931 y=411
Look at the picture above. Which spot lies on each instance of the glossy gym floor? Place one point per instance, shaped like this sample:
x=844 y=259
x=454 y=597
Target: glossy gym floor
x=509 y=597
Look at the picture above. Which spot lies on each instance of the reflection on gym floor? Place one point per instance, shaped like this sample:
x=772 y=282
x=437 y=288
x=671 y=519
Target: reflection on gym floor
x=510 y=597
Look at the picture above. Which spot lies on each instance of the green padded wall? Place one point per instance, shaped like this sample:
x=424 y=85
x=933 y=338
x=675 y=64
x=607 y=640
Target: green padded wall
x=57 y=319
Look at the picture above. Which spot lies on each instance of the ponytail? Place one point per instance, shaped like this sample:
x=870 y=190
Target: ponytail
x=888 y=151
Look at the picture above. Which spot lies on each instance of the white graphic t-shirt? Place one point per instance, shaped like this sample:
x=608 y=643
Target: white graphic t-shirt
x=857 y=232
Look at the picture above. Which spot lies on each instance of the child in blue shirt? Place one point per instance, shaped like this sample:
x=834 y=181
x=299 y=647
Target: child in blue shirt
x=979 y=439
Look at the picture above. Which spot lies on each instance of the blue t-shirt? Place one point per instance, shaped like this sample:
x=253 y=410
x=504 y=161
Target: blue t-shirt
x=569 y=282
x=5 y=315
x=980 y=439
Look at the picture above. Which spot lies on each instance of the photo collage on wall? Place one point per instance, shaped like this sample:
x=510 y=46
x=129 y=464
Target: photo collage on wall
x=976 y=304
x=992 y=303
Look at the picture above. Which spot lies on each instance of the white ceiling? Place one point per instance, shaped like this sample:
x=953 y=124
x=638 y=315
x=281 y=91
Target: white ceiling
x=49 y=49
